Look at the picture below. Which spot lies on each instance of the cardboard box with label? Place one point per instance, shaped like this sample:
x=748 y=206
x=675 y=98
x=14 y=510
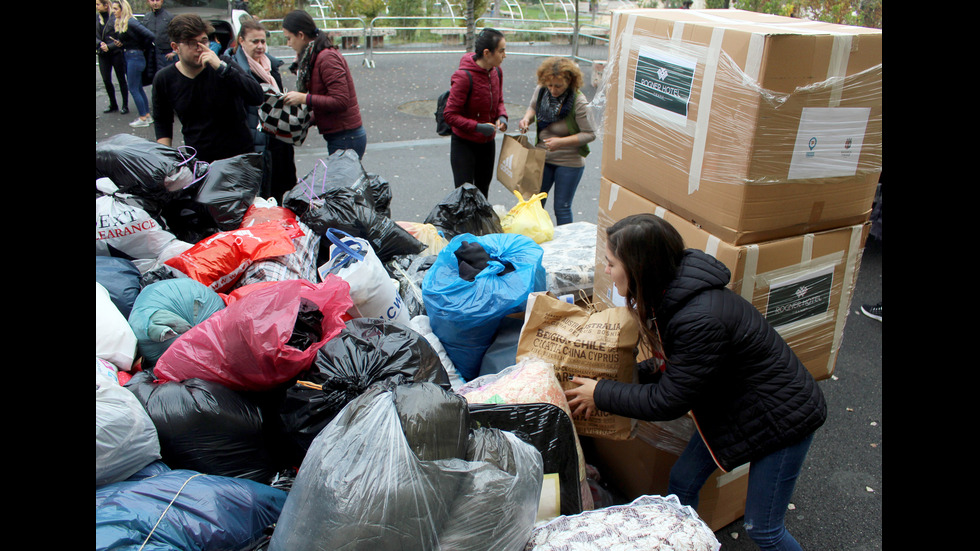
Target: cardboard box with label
x=802 y=284
x=754 y=126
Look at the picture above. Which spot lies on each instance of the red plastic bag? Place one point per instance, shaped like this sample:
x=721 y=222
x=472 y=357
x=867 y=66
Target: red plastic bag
x=220 y=260
x=246 y=345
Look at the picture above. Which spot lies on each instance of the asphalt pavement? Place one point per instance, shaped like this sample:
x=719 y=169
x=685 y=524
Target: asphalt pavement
x=838 y=500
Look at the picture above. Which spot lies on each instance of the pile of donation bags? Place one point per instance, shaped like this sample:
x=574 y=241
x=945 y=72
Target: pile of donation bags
x=254 y=392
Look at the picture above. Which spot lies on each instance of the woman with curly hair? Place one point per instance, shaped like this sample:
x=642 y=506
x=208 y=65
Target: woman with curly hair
x=561 y=112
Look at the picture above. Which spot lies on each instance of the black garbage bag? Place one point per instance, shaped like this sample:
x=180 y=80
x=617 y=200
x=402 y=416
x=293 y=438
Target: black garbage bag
x=380 y=192
x=216 y=203
x=230 y=188
x=146 y=168
x=206 y=427
x=465 y=210
x=549 y=429
x=341 y=169
x=343 y=209
x=366 y=351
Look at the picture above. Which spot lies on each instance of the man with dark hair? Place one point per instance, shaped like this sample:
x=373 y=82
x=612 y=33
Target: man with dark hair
x=208 y=93
x=157 y=20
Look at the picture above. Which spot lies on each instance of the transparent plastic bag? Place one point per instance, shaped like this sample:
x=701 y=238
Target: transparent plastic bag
x=399 y=468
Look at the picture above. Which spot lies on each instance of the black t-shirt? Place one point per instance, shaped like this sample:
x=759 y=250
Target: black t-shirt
x=210 y=107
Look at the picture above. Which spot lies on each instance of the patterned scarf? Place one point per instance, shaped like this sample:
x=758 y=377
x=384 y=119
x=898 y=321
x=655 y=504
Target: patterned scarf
x=551 y=109
x=302 y=68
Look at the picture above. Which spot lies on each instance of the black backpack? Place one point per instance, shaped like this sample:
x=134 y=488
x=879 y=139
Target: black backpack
x=442 y=127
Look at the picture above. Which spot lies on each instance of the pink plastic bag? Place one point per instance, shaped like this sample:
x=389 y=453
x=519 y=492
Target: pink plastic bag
x=246 y=345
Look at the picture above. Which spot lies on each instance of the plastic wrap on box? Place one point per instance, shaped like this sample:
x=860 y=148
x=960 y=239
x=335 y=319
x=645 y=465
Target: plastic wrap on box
x=720 y=115
x=703 y=78
x=569 y=259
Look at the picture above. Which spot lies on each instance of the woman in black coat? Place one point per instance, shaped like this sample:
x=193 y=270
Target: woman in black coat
x=718 y=358
x=110 y=57
x=278 y=158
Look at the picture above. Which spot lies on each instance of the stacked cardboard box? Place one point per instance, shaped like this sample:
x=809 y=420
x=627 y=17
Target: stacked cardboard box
x=759 y=138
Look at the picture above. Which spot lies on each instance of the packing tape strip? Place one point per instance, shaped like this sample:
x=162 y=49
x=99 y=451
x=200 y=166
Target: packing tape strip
x=704 y=110
x=855 y=248
x=625 y=39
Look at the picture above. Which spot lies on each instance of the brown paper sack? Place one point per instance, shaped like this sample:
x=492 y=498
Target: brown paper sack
x=520 y=165
x=585 y=343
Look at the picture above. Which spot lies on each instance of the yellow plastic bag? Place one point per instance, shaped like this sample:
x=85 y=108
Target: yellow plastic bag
x=428 y=235
x=529 y=218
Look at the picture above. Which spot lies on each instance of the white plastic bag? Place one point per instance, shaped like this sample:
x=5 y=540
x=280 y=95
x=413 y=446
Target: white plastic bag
x=115 y=340
x=122 y=225
x=374 y=292
x=125 y=437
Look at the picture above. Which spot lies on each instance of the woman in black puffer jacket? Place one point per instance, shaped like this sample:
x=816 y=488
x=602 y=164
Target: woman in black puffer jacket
x=719 y=359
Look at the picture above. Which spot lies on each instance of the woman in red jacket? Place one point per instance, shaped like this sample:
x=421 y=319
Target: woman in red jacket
x=475 y=111
x=324 y=83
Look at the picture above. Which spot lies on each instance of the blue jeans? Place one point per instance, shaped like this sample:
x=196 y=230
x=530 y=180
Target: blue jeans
x=771 y=483
x=355 y=139
x=135 y=63
x=565 y=179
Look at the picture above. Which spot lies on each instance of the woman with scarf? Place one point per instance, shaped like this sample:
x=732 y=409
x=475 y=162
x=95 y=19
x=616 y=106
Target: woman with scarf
x=134 y=38
x=561 y=112
x=111 y=57
x=324 y=83
x=279 y=167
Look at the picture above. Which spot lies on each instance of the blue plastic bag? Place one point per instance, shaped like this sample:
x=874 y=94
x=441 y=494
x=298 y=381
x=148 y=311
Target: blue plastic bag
x=167 y=309
x=121 y=278
x=465 y=313
x=175 y=510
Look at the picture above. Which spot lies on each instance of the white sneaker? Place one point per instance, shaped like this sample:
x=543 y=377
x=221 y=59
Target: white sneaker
x=140 y=123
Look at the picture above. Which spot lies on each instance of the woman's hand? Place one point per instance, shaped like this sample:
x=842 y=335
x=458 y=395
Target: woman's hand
x=581 y=398
x=554 y=143
x=103 y=47
x=523 y=125
x=294 y=98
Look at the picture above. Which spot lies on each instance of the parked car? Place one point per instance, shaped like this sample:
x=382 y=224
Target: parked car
x=222 y=14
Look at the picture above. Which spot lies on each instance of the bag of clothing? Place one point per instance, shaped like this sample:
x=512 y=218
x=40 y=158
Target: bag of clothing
x=206 y=427
x=115 y=340
x=374 y=292
x=529 y=218
x=409 y=271
x=365 y=352
x=474 y=282
x=229 y=189
x=400 y=468
x=263 y=339
x=649 y=522
x=569 y=259
x=183 y=510
x=464 y=210
x=146 y=168
x=220 y=260
x=579 y=341
x=121 y=278
x=125 y=228
x=125 y=437
x=166 y=309
x=347 y=210
x=288 y=123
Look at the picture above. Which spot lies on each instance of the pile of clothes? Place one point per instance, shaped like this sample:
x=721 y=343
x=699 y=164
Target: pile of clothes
x=245 y=399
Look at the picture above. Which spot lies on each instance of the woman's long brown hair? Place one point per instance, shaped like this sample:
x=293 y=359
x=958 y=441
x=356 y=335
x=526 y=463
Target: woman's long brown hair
x=650 y=250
